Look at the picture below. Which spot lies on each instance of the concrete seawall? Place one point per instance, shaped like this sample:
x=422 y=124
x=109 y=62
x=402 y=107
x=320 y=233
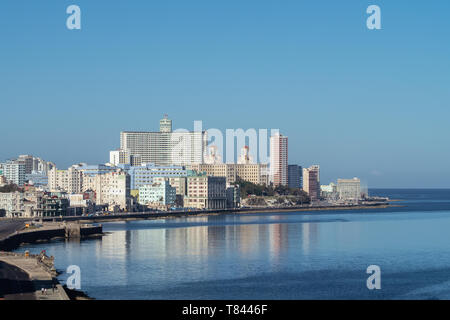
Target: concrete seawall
x=47 y=233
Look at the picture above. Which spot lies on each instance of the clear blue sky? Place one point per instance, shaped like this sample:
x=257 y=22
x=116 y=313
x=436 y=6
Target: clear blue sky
x=372 y=104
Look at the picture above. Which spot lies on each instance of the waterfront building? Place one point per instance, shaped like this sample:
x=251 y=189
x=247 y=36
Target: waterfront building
x=205 y=192
x=111 y=189
x=311 y=182
x=165 y=147
x=233 y=196
x=158 y=193
x=14 y=172
x=144 y=174
x=254 y=173
x=349 y=189
x=329 y=191
x=70 y=180
x=295 y=174
x=279 y=159
x=33 y=204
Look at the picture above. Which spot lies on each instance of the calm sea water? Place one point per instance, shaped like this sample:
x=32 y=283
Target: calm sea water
x=319 y=255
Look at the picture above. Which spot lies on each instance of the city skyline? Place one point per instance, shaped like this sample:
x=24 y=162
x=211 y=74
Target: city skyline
x=358 y=102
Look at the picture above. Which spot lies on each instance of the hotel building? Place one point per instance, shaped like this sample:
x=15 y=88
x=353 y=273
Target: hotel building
x=165 y=147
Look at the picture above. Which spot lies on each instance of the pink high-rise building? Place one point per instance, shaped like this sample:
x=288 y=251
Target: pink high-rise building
x=279 y=159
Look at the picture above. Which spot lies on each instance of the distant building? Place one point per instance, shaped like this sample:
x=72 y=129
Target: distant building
x=311 y=182
x=123 y=157
x=213 y=157
x=14 y=172
x=233 y=197
x=27 y=160
x=2 y=180
x=166 y=147
x=279 y=159
x=165 y=124
x=329 y=191
x=349 y=189
x=254 y=173
x=111 y=188
x=295 y=174
x=117 y=157
x=245 y=157
x=37 y=179
x=205 y=192
x=144 y=174
x=161 y=193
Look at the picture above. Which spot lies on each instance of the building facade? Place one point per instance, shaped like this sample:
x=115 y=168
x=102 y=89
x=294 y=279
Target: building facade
x=311 y=182
x=279 y=159
x=166 y=147
x=254 y=173
x=159 y=193
x=14 y=172
x=349 y=189
x=295 y=174
x=205 y=192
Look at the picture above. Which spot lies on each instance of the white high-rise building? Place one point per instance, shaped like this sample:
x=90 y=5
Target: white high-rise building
x=279 y=159
x=14 y=172
x=165 y=147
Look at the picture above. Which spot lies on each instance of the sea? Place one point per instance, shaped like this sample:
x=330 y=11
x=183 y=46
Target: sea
x=271 y=256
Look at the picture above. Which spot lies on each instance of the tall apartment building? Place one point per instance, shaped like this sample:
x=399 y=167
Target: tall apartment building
x=205 y=192
x=14 y=172
x=311 y=182
x=158 y=193
x=254 y=173
x=166 y=147
x=111 y=188
x=349 y=189
x=279 y=159
x=295 y=174
x=28 y=161
x=70 y=180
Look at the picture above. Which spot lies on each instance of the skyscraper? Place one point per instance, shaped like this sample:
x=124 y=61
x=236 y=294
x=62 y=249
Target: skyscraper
x=311 y=182
x=279 y=159
x=295 y=176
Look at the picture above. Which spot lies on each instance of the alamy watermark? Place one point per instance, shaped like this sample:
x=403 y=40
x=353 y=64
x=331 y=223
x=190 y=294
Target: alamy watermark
x=73 y=22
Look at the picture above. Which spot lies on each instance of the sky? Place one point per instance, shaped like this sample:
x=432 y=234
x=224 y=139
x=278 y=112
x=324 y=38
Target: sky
x=367 y=103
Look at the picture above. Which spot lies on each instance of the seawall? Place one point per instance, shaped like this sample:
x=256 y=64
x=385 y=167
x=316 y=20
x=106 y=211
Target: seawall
x=47 y=233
